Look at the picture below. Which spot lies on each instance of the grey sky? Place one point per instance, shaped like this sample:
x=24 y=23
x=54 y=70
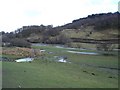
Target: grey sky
x=17 y=13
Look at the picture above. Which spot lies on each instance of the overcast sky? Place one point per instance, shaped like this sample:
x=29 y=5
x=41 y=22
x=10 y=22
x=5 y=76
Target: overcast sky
x=17 y=13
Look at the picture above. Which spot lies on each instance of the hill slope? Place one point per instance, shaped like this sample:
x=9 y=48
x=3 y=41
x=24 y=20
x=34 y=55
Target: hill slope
x=96 y=26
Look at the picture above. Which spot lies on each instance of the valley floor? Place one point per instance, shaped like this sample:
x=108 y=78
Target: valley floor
x=80 y=70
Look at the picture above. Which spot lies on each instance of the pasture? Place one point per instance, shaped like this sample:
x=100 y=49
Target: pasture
x=83 y=71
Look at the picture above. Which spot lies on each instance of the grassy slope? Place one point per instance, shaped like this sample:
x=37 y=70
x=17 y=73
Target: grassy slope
x=81 y=33
x=51 y=74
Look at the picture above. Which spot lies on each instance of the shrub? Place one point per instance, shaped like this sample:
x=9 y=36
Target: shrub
x=104 y=47
x=63 y=39
x=20 y=43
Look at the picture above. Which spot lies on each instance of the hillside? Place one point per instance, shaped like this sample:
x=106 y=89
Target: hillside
x=100 y=21
x=101 y=26
x=95 y=26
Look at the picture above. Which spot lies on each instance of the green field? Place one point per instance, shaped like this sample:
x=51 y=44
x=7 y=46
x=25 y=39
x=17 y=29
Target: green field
x=84 y=71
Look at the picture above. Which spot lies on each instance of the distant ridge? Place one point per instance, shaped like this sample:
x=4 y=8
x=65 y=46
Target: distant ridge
x=99 y=21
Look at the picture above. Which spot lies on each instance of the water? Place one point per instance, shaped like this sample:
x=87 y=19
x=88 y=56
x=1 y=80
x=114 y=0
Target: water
x=4 y=59
x=89 y=53
x=24 y=60
x=62 y=60
x=57 y=46
x=40 y=44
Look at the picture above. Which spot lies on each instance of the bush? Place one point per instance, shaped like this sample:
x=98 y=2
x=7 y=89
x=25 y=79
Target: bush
x=63 y=39
x=60 y=39
x=104 y=47
x=20 y=43
x=5 y=38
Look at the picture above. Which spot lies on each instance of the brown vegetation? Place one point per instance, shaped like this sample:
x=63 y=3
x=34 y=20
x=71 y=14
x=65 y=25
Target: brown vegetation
x=24 y=52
